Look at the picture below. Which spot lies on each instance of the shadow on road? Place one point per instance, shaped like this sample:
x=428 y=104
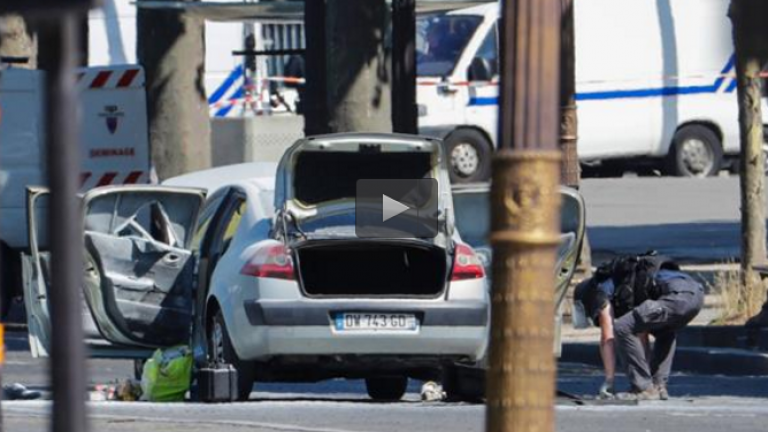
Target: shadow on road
x=713 y=242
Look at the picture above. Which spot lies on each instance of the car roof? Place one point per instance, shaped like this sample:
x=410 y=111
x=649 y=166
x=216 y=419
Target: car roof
x=262 y=174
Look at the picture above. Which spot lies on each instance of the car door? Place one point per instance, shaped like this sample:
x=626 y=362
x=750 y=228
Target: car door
x=138 y=280
x=35 y=275
x=472 y=212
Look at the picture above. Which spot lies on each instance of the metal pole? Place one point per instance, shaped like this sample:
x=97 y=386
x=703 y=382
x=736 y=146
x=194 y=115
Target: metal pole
x=315 y=97
x=68 y=374
x=404 y=110
x=2 y=288
x=525 y=221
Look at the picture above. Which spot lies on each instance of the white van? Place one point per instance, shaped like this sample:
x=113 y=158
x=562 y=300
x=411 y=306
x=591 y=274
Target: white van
x=114 y=145
x=656 y=85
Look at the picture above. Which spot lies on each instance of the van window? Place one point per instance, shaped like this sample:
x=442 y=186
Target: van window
x=489 y=50
x=440 y=40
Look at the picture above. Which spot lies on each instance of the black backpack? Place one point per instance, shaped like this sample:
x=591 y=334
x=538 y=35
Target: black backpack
x=634 y=279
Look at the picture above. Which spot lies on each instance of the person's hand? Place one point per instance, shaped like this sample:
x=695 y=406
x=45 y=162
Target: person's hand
x=607 y=391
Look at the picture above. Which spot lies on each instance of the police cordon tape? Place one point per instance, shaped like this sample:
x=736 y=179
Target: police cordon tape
x=465 y=83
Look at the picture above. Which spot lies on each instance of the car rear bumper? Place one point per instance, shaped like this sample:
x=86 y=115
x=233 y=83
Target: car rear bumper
x=312 y=314
x=457 y=328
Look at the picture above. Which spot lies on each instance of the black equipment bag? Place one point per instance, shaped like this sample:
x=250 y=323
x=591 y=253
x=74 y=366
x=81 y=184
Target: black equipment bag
x=217 y=383
x=634 y=279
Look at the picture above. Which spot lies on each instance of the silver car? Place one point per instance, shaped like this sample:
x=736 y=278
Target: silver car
x=266 y=272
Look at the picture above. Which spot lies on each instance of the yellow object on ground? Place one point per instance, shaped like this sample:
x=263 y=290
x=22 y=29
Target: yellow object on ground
x=167 y=375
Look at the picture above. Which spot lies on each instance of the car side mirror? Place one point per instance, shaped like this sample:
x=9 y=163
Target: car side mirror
x=480 y=70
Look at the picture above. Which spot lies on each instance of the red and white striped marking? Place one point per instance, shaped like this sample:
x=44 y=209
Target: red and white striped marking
x=90 y=180
x=110 y=78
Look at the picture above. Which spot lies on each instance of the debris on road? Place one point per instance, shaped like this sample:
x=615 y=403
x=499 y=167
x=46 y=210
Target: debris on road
x=432 y=392
x=127 y=390
x=17 y=391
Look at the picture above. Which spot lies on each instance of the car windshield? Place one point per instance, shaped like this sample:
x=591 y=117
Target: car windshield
x=440 y=40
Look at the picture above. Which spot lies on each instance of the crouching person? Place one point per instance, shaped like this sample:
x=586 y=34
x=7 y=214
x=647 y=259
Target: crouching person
x=631 y=298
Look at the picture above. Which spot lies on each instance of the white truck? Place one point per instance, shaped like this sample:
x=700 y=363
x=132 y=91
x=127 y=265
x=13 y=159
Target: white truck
x=114 y=146
x=656 y=86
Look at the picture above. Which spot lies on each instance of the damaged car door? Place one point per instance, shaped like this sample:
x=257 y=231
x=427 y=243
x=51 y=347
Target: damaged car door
x=138 y=275
x=472 y=210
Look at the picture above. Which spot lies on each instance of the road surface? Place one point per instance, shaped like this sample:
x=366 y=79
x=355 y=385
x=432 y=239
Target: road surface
x=700 y=404
x=693 y=220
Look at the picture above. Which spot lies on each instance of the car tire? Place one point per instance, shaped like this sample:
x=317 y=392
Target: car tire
x=469 y=156
x=696 y=152
x=390 y=388
x=222 y=352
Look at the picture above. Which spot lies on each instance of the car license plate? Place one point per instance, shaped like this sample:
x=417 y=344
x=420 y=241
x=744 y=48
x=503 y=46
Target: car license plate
x=365 y=321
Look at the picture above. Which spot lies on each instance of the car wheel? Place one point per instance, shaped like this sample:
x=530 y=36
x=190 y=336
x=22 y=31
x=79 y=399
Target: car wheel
x=696 y=152
x=222 y=352
x=386 y=388
x=469 y=156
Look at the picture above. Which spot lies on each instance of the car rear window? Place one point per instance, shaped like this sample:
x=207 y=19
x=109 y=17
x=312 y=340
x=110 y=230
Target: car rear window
x=321 y=176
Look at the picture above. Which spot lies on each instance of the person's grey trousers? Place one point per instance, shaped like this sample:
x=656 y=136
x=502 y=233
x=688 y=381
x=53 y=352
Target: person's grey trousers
x=661 y=318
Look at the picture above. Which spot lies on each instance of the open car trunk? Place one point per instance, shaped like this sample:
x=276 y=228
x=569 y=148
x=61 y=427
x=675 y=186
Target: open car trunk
x=371 y=269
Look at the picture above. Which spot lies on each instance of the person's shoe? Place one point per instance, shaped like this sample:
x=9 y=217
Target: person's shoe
x=662 y=390
x=649 y=394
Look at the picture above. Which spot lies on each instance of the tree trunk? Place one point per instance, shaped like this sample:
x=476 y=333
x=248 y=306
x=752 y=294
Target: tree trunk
x=749 y=37
x=570 y=171
x=171 y=47
x=356 y=92
x=404 y=108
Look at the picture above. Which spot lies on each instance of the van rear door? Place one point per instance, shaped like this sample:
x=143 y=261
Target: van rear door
x=114 y=135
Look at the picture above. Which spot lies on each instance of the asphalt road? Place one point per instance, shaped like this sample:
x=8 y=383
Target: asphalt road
x=700 y=404
x=693 y=220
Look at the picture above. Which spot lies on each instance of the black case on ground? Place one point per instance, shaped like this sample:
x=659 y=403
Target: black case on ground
x=217 y=383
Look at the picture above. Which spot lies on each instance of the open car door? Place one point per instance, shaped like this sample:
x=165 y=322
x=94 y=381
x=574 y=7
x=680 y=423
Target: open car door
x=35 y=275
x=138 y=269
x=472 y=210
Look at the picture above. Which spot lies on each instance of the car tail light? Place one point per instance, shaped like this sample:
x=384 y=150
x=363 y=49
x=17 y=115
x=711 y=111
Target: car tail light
x=466 y=265
x=270 y=262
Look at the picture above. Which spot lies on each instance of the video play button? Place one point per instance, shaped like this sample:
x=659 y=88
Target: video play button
x=391 y=208
x=400 y=208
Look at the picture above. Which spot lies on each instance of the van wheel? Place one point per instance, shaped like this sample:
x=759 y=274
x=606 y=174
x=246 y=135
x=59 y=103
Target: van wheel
x=386 y=388
x=696 y=152
x=469 y=156
x=222 y=352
